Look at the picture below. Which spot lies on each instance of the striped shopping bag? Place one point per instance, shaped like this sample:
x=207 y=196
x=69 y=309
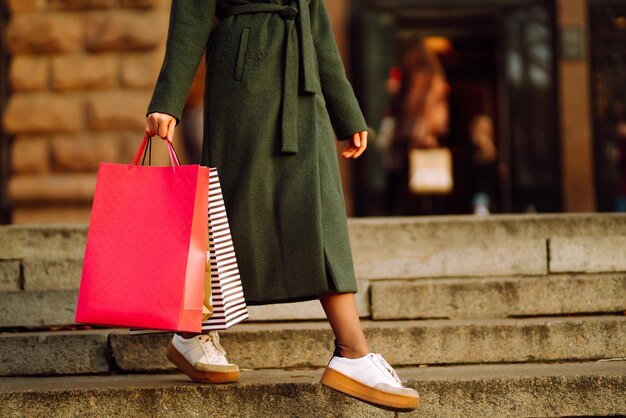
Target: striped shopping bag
x=227 y=300
x=224 y=302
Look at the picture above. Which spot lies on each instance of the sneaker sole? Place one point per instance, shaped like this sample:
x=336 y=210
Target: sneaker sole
x=385 y=400
x=196 y=375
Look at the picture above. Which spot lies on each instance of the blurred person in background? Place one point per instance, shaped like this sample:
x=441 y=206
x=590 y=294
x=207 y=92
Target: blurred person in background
x=424 y=90
x=417 y=117
x=484 y=158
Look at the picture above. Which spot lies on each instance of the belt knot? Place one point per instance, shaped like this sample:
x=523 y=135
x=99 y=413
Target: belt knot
x=288 y=13
x=299 y=54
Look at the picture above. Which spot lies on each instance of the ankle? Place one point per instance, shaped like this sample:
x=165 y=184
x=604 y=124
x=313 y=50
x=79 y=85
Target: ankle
x=352 y=352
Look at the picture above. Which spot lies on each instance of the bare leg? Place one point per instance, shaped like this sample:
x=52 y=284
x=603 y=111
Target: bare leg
x=344 y=319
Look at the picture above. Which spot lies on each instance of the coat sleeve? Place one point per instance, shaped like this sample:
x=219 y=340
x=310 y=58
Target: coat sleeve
x=188 y=33
x=343 y=108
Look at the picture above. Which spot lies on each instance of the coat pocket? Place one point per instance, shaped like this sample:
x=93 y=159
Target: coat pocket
x=241 y=55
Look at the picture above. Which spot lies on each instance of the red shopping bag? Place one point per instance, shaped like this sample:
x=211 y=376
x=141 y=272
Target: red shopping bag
x=145 y=256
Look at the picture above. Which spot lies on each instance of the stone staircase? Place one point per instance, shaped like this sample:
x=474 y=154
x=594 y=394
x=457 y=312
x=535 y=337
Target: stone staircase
x=499 y=316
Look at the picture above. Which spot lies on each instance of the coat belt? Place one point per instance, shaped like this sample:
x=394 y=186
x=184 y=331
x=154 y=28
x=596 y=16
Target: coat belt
x=298 y=55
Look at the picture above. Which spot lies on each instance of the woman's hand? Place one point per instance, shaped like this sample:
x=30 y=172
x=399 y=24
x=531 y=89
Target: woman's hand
x=162 y=125
x=356 y=146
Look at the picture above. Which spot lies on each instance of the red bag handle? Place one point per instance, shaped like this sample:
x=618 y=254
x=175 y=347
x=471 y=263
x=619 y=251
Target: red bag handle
x=170 y=151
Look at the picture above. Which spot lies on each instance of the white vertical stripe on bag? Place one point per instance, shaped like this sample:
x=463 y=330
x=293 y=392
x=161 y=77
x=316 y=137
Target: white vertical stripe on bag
x=225 y=280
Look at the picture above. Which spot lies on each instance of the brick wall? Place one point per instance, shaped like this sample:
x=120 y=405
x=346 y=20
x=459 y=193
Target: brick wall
x=80 y=77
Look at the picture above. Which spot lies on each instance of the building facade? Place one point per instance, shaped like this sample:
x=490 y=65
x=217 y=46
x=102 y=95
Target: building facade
x=77 y=76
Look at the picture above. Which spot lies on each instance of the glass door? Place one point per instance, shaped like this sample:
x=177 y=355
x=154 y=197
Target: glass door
x=607 y=22
x=530 y=79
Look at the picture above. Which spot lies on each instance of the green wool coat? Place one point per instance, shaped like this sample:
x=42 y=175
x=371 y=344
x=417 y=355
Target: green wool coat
x=275 y=91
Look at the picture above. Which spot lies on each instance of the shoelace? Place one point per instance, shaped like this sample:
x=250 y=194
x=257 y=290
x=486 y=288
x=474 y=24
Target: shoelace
x=211 y=344
x=216 y=340
x=387 y=367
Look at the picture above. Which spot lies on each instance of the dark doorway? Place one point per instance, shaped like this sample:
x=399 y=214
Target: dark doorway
x=499 y=63
x=607 y=22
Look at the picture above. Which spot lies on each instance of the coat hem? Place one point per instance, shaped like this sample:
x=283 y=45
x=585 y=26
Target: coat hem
x=291 y=300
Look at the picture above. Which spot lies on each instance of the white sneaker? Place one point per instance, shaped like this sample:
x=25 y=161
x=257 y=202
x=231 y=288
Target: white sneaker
x=370 y=379
x=202 y=358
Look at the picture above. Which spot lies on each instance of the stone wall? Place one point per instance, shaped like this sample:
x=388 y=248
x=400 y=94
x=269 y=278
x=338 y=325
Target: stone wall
x=81 y=75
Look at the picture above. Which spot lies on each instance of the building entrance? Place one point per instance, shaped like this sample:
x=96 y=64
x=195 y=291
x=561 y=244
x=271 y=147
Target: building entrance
x=475 y=80
x=607 y=21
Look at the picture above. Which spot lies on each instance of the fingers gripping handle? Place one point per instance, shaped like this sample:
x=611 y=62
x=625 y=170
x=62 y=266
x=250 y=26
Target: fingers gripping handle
x=173 y=157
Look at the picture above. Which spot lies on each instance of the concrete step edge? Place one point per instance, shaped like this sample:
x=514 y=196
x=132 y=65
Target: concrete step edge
x=420 y=246
x=590 y=388
x=384 y=279
x=305 y=344
x=457 y=297
x=277 y=326
x=486 y=297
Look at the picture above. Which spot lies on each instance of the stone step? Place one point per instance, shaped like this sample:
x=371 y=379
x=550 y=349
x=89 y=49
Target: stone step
x=68 y=240
x=404 y=247
x=449 y=246
x=465 y=297
x=514 y=390
x=48 y=308
x=37 y=308
x=447 y=258
x=309 y=344
x=498 y=297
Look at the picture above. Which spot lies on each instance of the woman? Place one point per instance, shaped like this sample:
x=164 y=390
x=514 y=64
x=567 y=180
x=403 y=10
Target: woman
x=275 y=90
